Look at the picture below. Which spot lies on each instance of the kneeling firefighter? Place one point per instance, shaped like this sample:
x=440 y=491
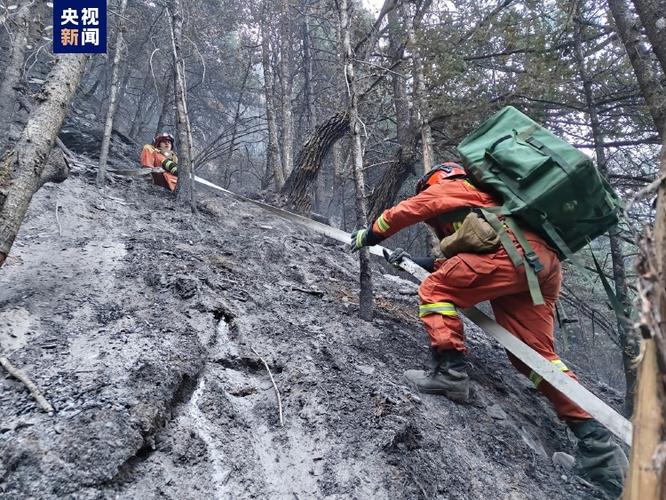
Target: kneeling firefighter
x=478 y=268
x=160 y=154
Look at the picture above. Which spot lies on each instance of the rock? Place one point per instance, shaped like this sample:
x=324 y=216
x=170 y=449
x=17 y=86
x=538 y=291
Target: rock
x=563 y=460
x=495 y=411
x=368 y=370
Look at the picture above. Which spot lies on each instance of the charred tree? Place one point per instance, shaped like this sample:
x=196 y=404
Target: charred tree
x=420 y=108
x=366 y=300
x=648 y=81
x=287 y=86
x=273 y=157
x=647 y=476
x=405 y=157
x=14 y=69
x=185 y=187
x=627 y=343
x=113 y=97
x=168 y=103
x=310 y=159
x=25 y=167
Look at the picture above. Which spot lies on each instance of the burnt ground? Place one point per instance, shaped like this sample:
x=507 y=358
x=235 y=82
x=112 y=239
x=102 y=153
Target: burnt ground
x=139 y=323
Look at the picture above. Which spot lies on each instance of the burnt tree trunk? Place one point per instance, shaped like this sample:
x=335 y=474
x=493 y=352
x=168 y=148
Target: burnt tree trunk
x=646 y=479
x=273 y=159
x=649 y=83
x=14 y=68
x=25 y=167
x=366 y=299
x=185 y=187
x=309 y=161
x=419 y=90
x=619 y=272
x=286 y=87
x=168 y=104
x=405 y=158
x=113 y=98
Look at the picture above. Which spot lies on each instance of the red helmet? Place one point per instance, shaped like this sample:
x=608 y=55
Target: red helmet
x=439 y=172
x=161 y=137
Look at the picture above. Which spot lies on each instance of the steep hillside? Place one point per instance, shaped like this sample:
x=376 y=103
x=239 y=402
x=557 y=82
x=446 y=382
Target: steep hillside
x=144 y=328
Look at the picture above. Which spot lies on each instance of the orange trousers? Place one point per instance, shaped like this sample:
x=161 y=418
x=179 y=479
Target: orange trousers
x=467 y=279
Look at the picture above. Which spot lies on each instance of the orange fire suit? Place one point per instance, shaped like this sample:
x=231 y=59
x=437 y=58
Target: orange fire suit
x=467 y=279
x=152 y=157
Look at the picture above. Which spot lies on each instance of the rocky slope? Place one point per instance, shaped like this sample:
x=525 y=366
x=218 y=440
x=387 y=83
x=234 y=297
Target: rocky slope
x=144 y=327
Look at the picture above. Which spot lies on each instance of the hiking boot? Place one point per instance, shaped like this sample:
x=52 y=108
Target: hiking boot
x=599 y=459
x=447 y=376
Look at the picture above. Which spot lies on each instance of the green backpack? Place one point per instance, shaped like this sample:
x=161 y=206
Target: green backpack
x=544 y=183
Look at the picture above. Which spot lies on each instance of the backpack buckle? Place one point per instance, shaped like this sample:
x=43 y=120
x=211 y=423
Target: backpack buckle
x=534 y=262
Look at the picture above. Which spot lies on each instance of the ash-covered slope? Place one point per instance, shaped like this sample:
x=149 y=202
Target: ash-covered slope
x=140 y=325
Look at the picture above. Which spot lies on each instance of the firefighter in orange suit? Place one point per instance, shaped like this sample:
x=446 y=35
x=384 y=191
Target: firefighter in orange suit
x=466 y=279
x=161 y=154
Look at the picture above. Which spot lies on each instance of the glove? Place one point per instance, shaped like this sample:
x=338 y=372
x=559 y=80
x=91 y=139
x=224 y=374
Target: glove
x=364 y=238
x=359 y=239
x=395 y=258
x=170 y=166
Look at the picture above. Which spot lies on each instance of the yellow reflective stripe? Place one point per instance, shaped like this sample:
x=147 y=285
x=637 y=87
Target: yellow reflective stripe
x=560 y=365
x=456 y=225
x=359 y=238
x=383 y=225
x=536 y=379
x=471 y=185
x=443 y=308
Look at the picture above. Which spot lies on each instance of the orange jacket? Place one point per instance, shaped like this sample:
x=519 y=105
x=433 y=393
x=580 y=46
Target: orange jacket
x=151 y=157
x=444 y=197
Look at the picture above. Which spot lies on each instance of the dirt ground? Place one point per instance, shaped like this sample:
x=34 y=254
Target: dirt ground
x=144 y=327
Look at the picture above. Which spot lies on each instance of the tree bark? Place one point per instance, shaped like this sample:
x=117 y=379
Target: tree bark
x=653 y=17
x=22 y=169
x=274 y=159
x=310 y=158
x=185 y=187
x=14 y=69
x=307 y=73
x=168 y=104
x=139 y=114
x=646 y=477
x=405 y=157
x=649 y=83
x=366 y=300
x=113 y=98
x=419 y=90
x=619 y=272
x=287 y=87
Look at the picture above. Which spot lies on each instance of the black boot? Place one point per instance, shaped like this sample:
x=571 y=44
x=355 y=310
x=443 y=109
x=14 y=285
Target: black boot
x=599 y=459
x=448 y=376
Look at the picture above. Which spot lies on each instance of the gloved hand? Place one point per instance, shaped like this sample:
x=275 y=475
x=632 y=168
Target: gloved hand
x=395 y=258
x=170 y=166
x=359 y=239
x=364 y=238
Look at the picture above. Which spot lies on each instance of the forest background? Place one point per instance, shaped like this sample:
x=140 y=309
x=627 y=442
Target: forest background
x=336 y=108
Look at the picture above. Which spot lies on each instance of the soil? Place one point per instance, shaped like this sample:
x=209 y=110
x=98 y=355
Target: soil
x=144 y=326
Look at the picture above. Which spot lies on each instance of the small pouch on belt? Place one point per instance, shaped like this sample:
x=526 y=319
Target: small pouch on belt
x=475 y=235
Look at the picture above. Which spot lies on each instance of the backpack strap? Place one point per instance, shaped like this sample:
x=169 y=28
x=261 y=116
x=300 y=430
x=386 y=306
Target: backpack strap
x=530 y=260
x=496 y=224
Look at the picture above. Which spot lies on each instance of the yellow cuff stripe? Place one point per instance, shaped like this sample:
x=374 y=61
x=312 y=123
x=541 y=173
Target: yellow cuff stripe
x=359 y=238
x=443 y=308
x=536 y=379
x=383 y=225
